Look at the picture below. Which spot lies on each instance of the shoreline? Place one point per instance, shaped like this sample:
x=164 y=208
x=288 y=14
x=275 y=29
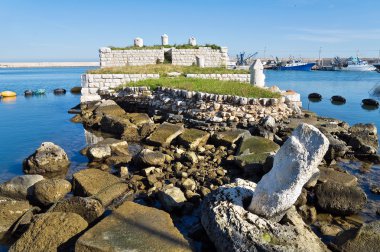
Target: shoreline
x=46 y=64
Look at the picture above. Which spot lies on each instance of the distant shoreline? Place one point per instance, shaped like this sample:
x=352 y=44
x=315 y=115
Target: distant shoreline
x=46 y=64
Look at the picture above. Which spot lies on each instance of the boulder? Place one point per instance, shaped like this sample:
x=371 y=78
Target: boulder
x=192 y=138
x=329 y=174
x=363 y=138
x=151 y=158
x=20 y=187
x=165 y=134
x=108 y=147
x=294 y=165
x=115 y=124
x=47 y=160
x=49 y=191
x=99 y=152
x=138 y=118
x=233 y=228
x=108 y=107
x=133 y=227
x=337 y=148
x=50 y=231
x=89 y=209
x=255 y=144
x=10 y=211
x=227 y=138
x=339 y=199
x=366 y=238
x=100 y=184
x=171 y=197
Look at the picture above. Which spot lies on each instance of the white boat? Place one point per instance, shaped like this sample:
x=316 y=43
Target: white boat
x=354 y=64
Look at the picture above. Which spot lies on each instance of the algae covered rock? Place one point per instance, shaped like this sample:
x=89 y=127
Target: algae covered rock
x=165 y=134
x=227 y=138
x=49 y=191
x=192 y=138
x=50 y=231
x=151 y=158
x=47 y=160
x=133 y=227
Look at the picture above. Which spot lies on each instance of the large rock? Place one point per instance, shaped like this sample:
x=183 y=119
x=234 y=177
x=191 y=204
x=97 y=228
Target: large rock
x=255 y=144
x=139 y=119
x=366 y=238
x=232 y=228
x=165 y=134
x=108 y=147
x=133 y=227
x=192 y=138
x=294 y=164
x=93 y=182
x=339 y=199
x=50 y=231
x=227 y=138
x=115 y=124
x=20 y=187
x=329 y=174
x=171 y=197
x=89 y=209
x=10 y=211
x=151 y=158
x=49 y=191
x=363 y=138
x=47 y=160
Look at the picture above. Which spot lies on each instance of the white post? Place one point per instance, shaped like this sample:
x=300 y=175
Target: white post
x=200 y=61
x=192 y=41
x=257 y=74
x=164 y=40
x=139 y=42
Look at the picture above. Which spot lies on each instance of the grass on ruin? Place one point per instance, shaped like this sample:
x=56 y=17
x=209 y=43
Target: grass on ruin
x=180 y=46
x=205 y=85
x=163 y=69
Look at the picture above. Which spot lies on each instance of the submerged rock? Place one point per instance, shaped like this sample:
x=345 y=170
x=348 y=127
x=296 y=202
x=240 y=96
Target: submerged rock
x=46 y=160
x=49 y=231
x=49 y=191
x=165 y=134
x=133 y=227
x=10 y=211
x=20 y=187
x=294 y=165
x=339 y=199
x=232 y=228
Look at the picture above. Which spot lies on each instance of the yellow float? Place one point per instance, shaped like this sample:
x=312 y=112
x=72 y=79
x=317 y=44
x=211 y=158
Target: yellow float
x=8 y=94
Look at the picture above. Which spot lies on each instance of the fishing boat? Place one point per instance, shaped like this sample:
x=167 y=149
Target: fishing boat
x=352 y=64
x=377 y=65
x=8 y=94
x=296 y=65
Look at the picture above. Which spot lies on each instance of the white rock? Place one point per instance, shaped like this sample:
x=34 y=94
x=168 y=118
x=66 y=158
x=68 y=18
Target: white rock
x=99 y=152
x=294 y=164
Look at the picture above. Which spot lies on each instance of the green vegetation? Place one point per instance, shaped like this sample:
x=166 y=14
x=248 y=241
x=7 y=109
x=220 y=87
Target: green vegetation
x=181 y=46
x=163 y=69
x=206 y=85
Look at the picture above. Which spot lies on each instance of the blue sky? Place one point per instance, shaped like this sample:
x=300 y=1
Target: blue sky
x=75 y=29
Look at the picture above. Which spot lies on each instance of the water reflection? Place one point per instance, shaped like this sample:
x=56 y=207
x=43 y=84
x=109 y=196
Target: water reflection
x=92 y=137
x=10 y=100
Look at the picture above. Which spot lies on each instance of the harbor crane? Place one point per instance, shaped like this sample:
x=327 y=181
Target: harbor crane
x=242 y=60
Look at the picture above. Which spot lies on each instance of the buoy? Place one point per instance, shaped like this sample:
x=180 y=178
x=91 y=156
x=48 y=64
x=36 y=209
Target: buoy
x=337 y=99
x=76 y=90
x=8 y=94
x=28 y=92
x=59 y=91
x=315 y=96
x=39 y=92
x=370 y=102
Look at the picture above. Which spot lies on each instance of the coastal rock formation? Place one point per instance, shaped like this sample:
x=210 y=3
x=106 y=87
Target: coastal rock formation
x=165 y=134
x=329 y=174
x=48 y=159
x=232 y=228
x=103 y=186
x=89 y=209
x=49 y=231
x=49 y=191
x=171 y=197
x=339 y=199
x=151 y=158
x=20 y=187
x=294 y=165
x=227 y=138
x=193 y=138
x=133 y=227
x=10 y=211
x=363 y=138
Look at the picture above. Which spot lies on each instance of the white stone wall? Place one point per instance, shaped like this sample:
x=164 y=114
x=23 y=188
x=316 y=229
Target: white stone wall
x=112 y=58
x=93 y=83
x=225 y=77
x=213 y=58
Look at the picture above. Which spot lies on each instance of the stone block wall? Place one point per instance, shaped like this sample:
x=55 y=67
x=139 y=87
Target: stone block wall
x=92 y=84
x=203 y=110
x=225 y=77
x=112 y=58
x=212 y=57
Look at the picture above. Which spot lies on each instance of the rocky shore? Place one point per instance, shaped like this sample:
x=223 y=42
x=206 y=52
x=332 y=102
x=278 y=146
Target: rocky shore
x=168 y=182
